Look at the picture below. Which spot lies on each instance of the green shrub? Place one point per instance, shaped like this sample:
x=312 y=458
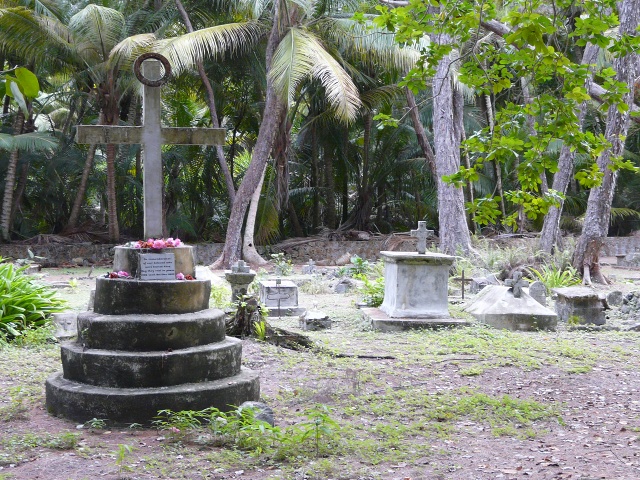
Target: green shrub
x=554 y=277
x=284 y=267
x=372 y=291
x=220 y=296
x=24 y=304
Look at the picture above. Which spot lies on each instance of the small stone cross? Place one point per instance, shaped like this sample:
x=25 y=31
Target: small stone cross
x=240 y=267
x=310 y=267
x=422 y=234
x=516 y=283
x=151 y=135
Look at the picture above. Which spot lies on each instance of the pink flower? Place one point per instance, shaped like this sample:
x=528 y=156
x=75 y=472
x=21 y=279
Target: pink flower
x=169 y=242
x=180 y=276
x=158 y=244
x=137 y=245
x=123 y=274
x=177 y=242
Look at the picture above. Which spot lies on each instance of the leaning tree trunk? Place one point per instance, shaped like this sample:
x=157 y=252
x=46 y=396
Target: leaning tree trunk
x=10 y=180
x=226 y=172
x=421 y=135
x=597 y=218
x=454 y=232
x=266 y=134
x=249 y=252
x=550 y=235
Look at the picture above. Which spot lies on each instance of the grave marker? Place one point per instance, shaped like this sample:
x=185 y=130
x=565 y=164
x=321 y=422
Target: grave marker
x=422 y=234
x=157 y=266
x=517 y=284
x=151 y=135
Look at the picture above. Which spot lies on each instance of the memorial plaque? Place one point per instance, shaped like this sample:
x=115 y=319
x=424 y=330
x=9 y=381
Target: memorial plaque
x=157 y=266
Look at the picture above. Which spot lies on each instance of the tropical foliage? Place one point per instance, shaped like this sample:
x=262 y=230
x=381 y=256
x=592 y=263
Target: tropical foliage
x=24 y=305
x=316 y=99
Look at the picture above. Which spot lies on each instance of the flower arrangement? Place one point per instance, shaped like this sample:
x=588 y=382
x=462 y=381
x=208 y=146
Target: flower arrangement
x=156 y=243
x=120 y=274
x=182 y=276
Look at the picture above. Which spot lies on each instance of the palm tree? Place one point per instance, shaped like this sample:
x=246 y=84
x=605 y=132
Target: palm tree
x=80 y=46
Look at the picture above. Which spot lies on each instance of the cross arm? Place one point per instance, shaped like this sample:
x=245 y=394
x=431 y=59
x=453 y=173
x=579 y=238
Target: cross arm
x=95 y=134
x=106 y=134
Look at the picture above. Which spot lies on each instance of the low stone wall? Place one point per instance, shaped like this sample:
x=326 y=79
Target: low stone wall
x=620 y=246
x=320 y=250
x=324 y=251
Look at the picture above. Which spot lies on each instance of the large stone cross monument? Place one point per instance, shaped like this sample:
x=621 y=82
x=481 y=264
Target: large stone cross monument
x=151 y=342
x=151 y=135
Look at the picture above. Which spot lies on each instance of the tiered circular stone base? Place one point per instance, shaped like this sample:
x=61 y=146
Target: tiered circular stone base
x=117 y=296
x=149 y=346
x=81 y=402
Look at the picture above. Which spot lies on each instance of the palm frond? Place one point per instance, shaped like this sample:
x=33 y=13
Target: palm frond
x=29 y=142
x=97 y=30
x=256 y=8
x=300 y=55
x=124 y=53
x=371 y=45
x=619 y=214
x=215 y=42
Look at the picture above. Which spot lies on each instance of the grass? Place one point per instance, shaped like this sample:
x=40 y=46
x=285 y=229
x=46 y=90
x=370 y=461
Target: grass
x=417 y=407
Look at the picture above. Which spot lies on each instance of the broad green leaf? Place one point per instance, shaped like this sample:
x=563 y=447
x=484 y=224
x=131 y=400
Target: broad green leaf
x=28 y=82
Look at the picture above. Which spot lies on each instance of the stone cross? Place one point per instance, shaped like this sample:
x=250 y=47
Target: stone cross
x=240 y=267
x=310 y=267
x=151 y=135
x=516 y=283
x=422 y=234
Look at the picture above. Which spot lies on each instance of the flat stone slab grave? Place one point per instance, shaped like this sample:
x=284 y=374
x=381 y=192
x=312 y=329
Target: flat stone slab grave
x=580 y=303
x=497 y=306
x=280 y=297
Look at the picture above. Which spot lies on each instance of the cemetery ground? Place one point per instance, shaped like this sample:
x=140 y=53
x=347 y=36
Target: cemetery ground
x=466 y=403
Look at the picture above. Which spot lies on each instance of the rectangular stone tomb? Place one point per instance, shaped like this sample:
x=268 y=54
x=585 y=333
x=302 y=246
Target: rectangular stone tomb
x=280 y=297
x=416 y=284
x=157 y=266
x=579 y=305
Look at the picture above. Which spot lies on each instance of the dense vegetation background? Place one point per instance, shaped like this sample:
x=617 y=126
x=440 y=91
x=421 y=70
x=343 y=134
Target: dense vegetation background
x=339 y=115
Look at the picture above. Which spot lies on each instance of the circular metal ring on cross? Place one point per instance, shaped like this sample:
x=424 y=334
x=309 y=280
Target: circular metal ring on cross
x=137 y=69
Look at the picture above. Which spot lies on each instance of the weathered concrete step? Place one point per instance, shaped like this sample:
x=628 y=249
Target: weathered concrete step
x=81 y=402
x=116 y=296
x=119 y=369
x=384 y=323
x=140 y=332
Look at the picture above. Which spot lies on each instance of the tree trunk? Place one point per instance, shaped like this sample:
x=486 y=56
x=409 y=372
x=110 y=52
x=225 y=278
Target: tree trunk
x=488 y=103
x=421 y=135
x=261 y=150
x=597 y=218
x=19 y=194
x=226 y=172
x=112 y=213
x=550 y=235
x=331 y=218
x=315 y=180
x=82 y=190
x=10 y=180
x=364 y=202
x=249 y=252
x=454 y=232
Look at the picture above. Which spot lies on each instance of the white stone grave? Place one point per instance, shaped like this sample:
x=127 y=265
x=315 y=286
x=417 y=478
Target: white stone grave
x=415 y=289
x=280 y=297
